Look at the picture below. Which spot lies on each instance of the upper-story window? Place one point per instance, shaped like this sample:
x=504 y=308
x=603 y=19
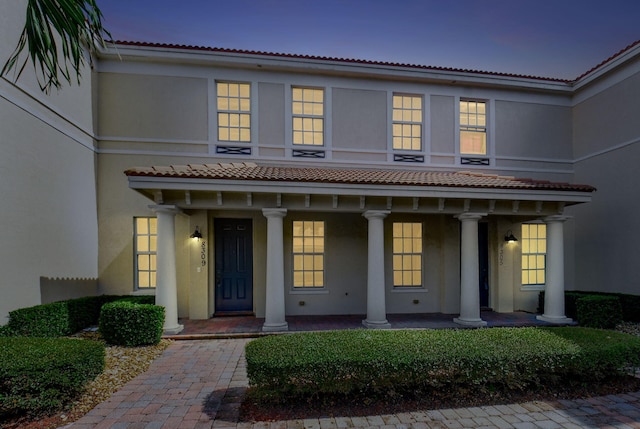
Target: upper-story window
x=307 y=107
x=473 y=127
x=234 y=112
x=407 y=122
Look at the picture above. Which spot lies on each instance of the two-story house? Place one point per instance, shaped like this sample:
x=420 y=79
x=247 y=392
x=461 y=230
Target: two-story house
x=238 y=182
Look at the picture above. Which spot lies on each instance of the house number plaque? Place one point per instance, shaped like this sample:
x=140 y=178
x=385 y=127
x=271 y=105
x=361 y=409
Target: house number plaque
x=203 y=253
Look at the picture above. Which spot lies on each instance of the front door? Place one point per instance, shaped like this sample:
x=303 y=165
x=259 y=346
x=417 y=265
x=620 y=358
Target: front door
x=483 y=263
x=233 y=265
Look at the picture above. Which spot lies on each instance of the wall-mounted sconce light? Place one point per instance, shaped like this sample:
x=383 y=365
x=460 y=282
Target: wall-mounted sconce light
x=510 y=238
x=196 y=234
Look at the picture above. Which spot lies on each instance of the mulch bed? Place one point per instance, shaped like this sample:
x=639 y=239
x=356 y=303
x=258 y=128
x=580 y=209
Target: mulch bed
x=395 y=402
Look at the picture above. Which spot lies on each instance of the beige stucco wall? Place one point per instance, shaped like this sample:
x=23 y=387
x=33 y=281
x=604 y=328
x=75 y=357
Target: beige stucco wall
x=533 y=130
x=146 y=106
x=48 y=180
x=607 y=147
x=359 y=119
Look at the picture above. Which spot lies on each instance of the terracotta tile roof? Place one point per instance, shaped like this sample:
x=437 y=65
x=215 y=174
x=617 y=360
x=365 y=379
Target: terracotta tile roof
x=608 y=60
x=344 y=60
x=252 y=171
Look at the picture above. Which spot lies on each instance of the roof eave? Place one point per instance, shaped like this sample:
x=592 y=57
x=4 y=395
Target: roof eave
x=266 y=61
x=372 y=190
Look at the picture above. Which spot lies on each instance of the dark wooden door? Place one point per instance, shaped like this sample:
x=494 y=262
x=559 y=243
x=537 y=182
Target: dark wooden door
x=233 y=265
x=483 y=263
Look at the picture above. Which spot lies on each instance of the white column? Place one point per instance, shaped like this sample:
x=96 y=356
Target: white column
x=376 y=308
x=554 y=290
x=166 y=279
x=274 y=306
x=469 y=272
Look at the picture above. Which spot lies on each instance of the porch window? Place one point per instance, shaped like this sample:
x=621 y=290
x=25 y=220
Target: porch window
x=234 y=111
x=534 y=254
x=407 y=254
x=473 y=127
x=146 y=245
x=407 y=122
x=307 y=106
x=308 y=254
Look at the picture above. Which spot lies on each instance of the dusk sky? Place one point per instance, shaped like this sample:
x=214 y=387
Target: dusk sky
x=549 y=38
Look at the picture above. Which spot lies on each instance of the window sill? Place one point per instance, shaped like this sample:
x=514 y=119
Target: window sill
x=322 y=291
x=532 y=288
x=143 y=292
x=409 y=289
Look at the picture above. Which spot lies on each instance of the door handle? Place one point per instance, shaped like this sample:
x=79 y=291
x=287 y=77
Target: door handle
x=218 y=279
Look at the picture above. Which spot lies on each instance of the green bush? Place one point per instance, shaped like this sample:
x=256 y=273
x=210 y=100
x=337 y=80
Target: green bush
x=630 y=304
x=602 y=353
x=348 y=362
x=42 y=375
x=63 y=318
x=46 y=320
x=129 y=324
x=6 y=331
x=599 y=311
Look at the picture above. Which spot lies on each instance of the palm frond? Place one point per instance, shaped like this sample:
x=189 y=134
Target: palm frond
x=55 y=35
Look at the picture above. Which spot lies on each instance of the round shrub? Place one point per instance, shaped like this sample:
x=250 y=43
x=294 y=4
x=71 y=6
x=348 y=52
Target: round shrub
x=126 y=323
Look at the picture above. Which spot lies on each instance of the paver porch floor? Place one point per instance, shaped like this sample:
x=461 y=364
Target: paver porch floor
x=229 y=326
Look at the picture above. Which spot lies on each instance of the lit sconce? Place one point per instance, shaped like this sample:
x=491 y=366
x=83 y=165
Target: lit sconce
x=510 y=238
x=197 y=234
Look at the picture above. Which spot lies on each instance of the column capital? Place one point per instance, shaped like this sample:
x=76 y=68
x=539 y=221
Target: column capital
x=274 y=213
x=470 y=216
x=376 y=214
x=164 y=208
x=556 y=218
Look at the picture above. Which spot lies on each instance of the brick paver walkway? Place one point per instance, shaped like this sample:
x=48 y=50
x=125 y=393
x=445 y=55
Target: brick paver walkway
x=199 y=384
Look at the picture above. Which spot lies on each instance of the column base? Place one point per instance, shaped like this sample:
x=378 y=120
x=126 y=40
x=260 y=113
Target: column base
x=172 y=330
x=558 y=320
x=470 y=322
x=275 y=327
x=383 y=324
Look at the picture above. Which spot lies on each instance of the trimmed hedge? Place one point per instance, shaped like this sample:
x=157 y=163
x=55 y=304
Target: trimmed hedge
x=599 y=311
x=128 y=323
x=630 y=304
x=62 y=318
x=356 y=361
x=42 y=375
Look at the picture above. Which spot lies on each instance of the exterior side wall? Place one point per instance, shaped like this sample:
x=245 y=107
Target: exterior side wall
x=49 y=213
x=607 y=145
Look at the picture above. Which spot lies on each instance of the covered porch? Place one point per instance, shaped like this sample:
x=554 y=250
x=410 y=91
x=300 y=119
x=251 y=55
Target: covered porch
x=457 y=201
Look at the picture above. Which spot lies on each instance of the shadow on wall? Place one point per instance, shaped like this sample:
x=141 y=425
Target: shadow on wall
x=60 y=289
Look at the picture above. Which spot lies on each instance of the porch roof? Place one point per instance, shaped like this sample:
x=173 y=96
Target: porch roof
x=247 y=185
x=252 y=171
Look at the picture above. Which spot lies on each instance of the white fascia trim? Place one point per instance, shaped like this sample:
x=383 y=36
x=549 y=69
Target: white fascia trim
x=184 y=56
x=258 y=186
x=607 y=67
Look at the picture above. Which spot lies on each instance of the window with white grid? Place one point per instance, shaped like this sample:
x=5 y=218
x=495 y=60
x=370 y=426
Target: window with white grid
x=534 y=253
x=307 y=107
x=407 y=254
x=145 y=245
x=234 y=111
x=473 y=127
x=308 y=254
x=407 y=122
